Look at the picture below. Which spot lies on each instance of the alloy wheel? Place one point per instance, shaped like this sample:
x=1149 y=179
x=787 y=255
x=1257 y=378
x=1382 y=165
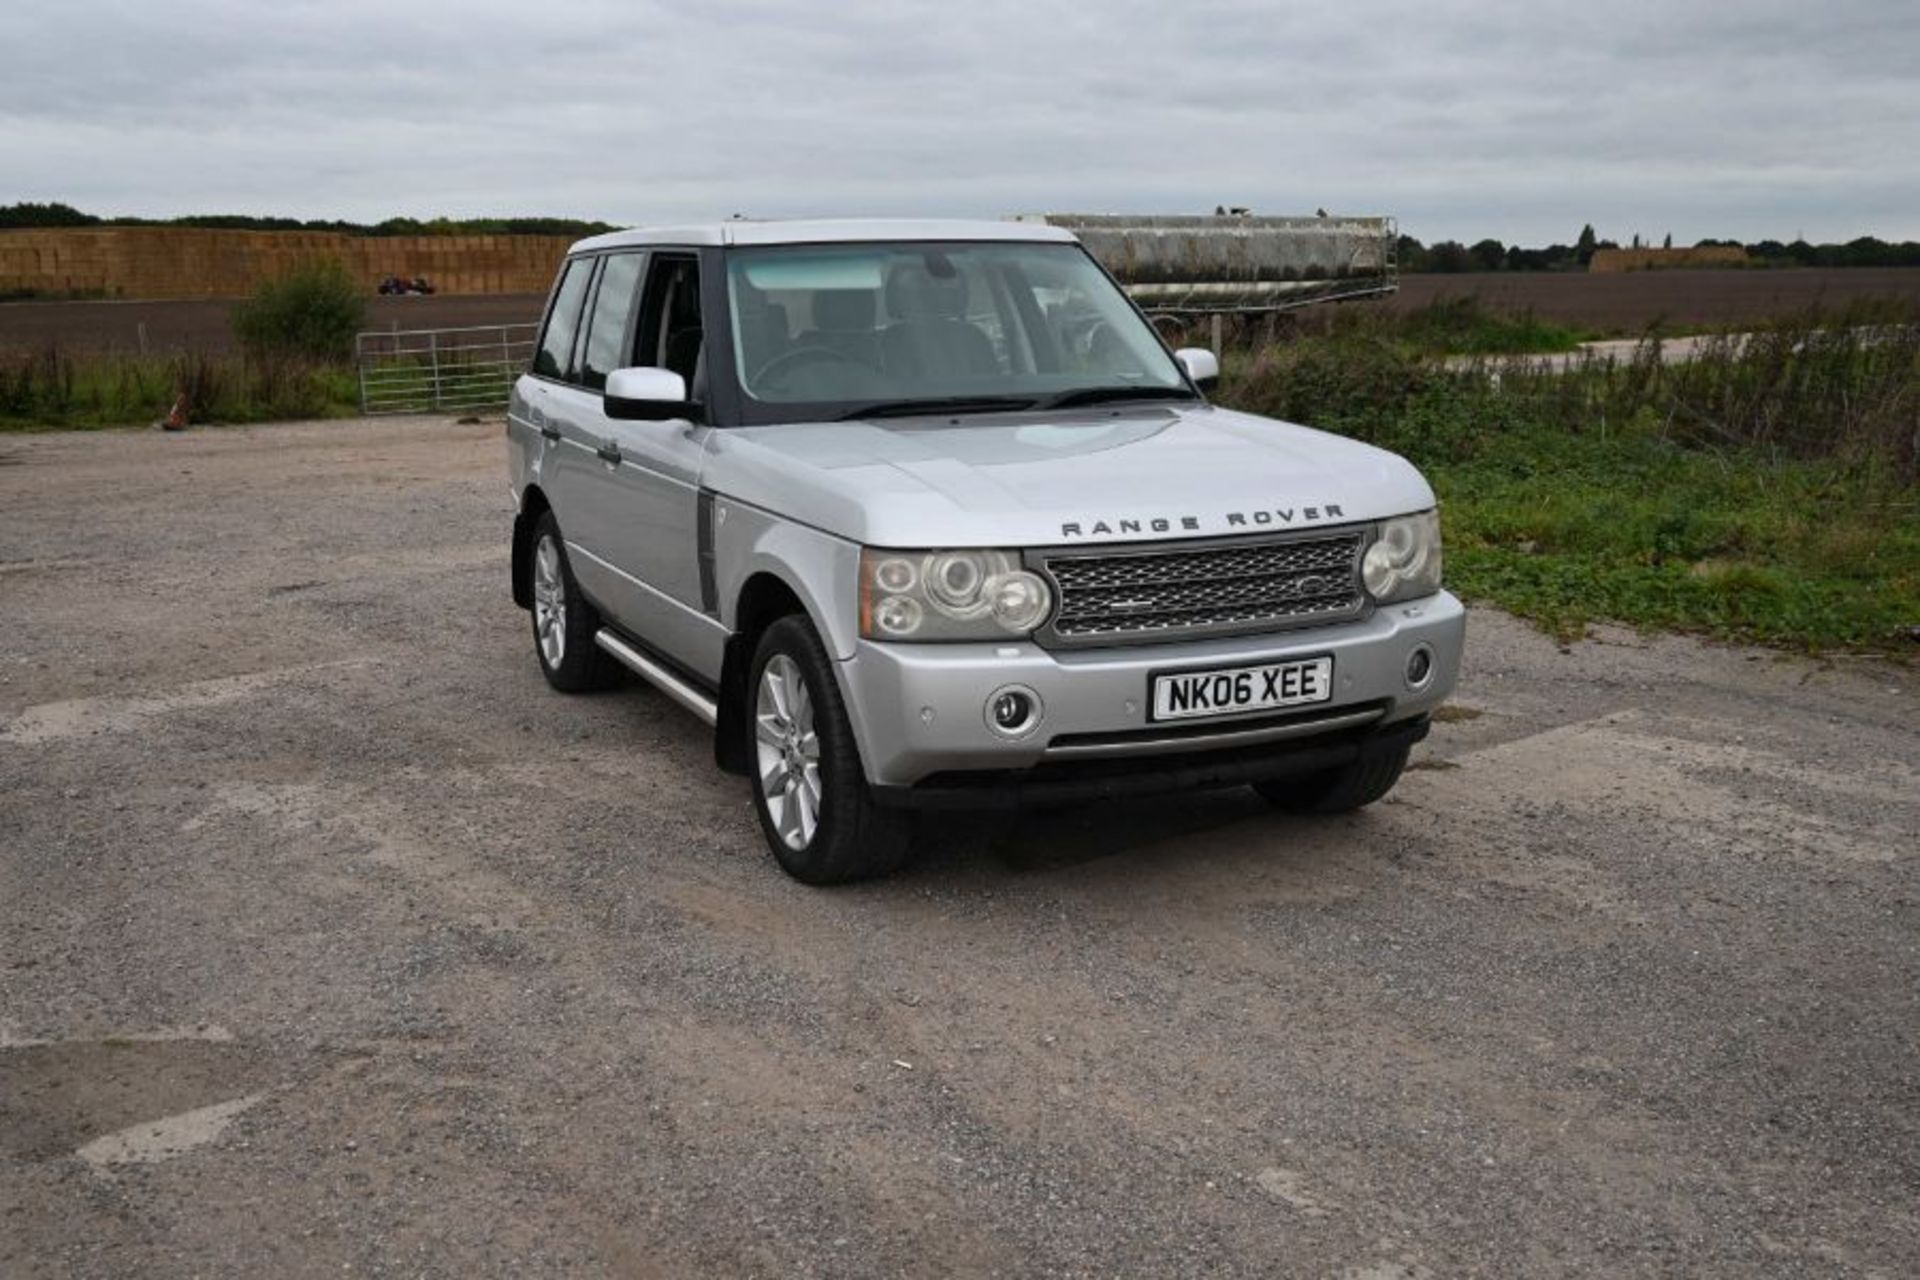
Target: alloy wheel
x=549 y=602
x=787 y=751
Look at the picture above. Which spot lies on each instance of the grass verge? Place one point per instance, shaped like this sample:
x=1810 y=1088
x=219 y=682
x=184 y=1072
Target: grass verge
x=52 y=390
x=1467 y=327
x=1632 y=528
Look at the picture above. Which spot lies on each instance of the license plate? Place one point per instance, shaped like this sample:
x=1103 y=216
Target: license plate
x=1228 y=690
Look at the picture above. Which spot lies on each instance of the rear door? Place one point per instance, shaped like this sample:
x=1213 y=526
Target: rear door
x=565 y=447
x=588 y=461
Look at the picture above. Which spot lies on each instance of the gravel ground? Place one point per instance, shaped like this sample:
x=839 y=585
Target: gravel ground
x=333 y=942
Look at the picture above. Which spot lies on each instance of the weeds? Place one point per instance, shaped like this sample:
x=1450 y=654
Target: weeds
x=312 y=313
x=50 y=388
x=1821 y=385
x=1840 y=385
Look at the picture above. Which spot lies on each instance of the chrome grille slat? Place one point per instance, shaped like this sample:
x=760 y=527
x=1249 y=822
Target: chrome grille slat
x=1237 y=593
x=1252 y=584
x=1134 y=569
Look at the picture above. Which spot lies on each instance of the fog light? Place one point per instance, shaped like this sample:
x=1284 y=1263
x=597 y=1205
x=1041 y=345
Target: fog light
x=1419 y=667
x=1012 y=712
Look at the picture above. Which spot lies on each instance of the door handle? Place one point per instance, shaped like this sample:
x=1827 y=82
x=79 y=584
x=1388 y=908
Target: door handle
x=552 y=433
x=609 y=453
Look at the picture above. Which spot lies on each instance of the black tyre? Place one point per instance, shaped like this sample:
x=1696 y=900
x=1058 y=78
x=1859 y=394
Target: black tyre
x=815 y=808
x=1351 y=786
x=563 y=622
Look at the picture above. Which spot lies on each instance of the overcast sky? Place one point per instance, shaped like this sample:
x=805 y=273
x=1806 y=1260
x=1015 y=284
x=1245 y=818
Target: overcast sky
x=1464 y=119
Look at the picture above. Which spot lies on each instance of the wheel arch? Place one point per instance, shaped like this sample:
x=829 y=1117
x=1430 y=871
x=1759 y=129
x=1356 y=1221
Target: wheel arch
x=764 y=598
x=533 y=505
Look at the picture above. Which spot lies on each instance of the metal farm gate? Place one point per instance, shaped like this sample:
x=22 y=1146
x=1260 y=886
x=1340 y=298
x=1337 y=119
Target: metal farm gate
x=439 y=370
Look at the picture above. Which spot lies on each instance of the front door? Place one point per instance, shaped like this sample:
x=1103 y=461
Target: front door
x=645 y=515
x=660 y=461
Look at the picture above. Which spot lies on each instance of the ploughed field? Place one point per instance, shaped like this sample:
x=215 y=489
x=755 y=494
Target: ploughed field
x=202 y=324
x=1625 y=303
x=1629 y=302
x=333 y=942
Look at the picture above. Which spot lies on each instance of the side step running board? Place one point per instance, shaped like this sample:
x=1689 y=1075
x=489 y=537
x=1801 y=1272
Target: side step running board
x=659 y=677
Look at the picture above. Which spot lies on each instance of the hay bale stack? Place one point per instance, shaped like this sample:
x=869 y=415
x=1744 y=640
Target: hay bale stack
x=1614 y=261
x=56 y=261
x=193 y=262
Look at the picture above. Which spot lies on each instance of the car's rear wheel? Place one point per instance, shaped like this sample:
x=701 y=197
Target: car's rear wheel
x=564 y=622
x=811 y=794
x=1342 y=790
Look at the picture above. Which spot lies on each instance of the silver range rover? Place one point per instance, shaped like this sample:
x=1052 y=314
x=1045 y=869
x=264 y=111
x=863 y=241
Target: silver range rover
x=923 y=514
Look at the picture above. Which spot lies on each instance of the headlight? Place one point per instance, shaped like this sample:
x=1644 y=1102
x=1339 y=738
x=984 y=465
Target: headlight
x=1404 y=562
x=949 y=595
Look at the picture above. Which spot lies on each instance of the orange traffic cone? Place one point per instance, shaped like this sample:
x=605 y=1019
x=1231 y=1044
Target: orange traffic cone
x=177 y=419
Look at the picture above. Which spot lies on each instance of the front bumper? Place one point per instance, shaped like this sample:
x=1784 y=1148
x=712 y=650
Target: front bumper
x=919 y=711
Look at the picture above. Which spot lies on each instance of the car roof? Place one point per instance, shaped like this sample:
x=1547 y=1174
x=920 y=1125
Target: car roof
x=744 y=231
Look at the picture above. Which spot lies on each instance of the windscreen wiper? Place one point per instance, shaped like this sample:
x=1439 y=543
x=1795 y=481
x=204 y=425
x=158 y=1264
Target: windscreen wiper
x=1109 y=395
x=937 y=405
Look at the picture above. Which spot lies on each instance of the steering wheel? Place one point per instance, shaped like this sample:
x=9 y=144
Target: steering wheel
x=787 y=361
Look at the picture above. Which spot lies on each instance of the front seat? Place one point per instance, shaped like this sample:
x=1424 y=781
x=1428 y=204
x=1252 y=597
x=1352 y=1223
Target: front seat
x=930 y=337
x=843 y=322
x=763 y=329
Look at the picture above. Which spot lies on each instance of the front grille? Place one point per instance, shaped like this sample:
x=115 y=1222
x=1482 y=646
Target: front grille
x=1219 y=588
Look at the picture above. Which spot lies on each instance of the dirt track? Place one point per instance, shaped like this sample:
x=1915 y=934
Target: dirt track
x=332 y=941
x=1610 y=303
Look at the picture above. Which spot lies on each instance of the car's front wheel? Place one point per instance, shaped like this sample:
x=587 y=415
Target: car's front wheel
x=815 y=807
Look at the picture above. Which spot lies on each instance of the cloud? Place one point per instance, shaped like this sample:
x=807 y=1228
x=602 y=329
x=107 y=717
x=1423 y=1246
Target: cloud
x=1520 y=121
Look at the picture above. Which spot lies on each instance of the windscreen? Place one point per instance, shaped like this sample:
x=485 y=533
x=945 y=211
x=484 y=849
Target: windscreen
x=846 y=325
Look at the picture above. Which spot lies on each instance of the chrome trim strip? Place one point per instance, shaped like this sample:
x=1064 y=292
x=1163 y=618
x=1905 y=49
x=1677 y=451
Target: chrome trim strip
x=659 y=677
x=1215 y=741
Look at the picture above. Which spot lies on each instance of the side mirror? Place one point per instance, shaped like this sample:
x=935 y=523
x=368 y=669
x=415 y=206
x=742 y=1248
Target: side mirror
x=647 y=395
x=1202 y=366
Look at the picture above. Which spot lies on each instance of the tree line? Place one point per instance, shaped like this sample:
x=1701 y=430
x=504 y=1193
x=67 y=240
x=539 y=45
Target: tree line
x=1492 y=255
x=27 y=214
